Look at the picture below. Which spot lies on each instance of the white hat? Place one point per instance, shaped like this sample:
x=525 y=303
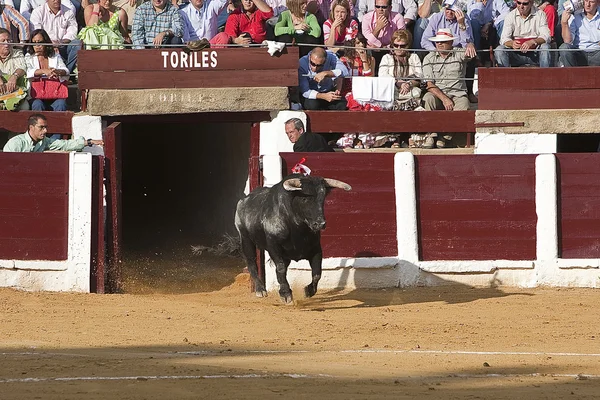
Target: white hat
x=443 y=35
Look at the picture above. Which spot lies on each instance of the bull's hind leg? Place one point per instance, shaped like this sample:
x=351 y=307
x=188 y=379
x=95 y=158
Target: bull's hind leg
x=316 y=267
x=249 y=252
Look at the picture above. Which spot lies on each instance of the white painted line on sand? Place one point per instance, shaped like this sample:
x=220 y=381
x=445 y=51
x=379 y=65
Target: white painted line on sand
x=293 y=376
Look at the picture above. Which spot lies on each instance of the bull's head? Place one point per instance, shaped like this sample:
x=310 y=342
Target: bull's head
x=309 y=199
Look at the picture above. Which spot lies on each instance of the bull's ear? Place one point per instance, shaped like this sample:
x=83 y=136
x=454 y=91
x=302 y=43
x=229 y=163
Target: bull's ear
x=334 y=183
x=292 y=184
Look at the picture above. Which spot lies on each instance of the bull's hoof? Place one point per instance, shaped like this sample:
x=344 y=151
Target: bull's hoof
x=310 y=290
x=287 y=298
x=261 y=293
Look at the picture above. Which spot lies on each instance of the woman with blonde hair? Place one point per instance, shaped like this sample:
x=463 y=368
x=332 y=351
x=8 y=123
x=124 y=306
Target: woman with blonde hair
x=406 y=68
x=340 y=27
x=298 y=24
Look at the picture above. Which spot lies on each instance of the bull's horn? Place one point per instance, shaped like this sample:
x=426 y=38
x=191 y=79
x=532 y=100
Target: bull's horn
x=292 y=184
x=334 y=183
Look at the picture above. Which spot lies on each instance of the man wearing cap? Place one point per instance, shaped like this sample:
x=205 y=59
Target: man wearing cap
x=581 y=31
x=453 y=19
x=444 y=71
x=525 y=30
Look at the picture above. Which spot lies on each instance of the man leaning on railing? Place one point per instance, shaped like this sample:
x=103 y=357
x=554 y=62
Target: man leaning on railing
x=36 y=141
x=320 y=77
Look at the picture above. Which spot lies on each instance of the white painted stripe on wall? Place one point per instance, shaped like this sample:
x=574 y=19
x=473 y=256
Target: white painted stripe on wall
x=406 y=207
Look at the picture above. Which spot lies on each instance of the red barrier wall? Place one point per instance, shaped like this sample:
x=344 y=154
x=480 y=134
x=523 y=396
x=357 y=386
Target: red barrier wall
x=476 y=207
x=363 y=221
x=34 y=191
x=579 y=205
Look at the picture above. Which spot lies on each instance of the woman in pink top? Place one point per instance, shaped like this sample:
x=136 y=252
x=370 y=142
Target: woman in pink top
x=340 y=27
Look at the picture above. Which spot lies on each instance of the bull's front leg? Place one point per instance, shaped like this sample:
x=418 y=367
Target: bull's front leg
x=281 y=267
x=316 y=267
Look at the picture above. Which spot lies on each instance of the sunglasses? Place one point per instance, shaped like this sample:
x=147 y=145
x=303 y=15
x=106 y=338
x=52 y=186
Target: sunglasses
x=316 y=65
x=384 y=7
x=523 y=3
x=400 y=46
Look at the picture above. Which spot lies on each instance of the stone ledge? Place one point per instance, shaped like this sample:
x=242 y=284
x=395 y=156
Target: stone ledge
x=183 y=101
x=540 y=121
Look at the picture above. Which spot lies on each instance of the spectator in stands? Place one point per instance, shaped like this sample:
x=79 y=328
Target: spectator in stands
x=453 y=19
x=487 y=20
x=36 y=141
x=425 y=9
x=12 y=74
x=11 y=19
x=27 y=6
x=444 y=71
x=304 y=141
x=379 y=25
x=246 y=24
x=59 y=23
x=298 y=24
x=105 y=25
x=43 y=62
x=340 y=27
x=320 y=78
x=525 y=29
x=357 y=60
x=406 y=68
x=321 y=9
x=408 y=9
x=200 y=19
x=156 y=23
x=581 y=31
x=129 y=6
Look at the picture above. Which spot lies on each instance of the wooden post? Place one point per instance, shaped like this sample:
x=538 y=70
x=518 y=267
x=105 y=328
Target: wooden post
x=255 y=176
x=98 y=253
x=112 y=151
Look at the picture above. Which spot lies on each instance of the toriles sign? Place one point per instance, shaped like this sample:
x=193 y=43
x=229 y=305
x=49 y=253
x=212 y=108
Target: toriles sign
x=179 y=59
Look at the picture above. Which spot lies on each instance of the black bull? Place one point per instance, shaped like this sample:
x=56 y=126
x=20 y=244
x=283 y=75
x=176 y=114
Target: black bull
x=286 y=220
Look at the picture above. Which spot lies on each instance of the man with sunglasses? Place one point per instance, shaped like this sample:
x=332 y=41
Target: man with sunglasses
x=379 y=25
x=581 y=31
x=320 y=77
x=525 y=37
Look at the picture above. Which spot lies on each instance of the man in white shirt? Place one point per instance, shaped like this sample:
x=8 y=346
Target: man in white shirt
x=59 y=21
x=27 y=6
x=200 y=19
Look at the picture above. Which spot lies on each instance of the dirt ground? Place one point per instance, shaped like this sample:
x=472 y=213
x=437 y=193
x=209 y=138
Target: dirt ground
x=172 y=337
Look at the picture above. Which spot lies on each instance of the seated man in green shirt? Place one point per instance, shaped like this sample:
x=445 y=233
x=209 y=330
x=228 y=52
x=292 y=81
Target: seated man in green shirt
x=35 y=140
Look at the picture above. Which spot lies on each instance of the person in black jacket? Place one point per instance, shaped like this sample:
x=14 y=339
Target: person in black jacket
x=304 y=141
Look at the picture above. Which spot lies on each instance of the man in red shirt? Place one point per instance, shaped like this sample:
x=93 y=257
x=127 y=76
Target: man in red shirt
x=246 y=24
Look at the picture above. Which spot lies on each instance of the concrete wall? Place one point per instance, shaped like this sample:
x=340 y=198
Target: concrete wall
x=407 y=270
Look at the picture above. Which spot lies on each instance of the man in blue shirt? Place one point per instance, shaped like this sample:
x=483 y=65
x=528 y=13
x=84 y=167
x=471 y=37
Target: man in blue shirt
x=581 y=31
x=320 y=77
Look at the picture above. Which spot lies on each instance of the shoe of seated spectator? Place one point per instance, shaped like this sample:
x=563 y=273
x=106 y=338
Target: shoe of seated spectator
x=440 y=144
x=429 y=142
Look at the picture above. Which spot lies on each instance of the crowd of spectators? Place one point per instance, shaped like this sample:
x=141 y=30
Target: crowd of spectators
x=423 y=52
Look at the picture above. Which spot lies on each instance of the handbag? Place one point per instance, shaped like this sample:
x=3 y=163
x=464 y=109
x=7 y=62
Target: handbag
x=49 y=89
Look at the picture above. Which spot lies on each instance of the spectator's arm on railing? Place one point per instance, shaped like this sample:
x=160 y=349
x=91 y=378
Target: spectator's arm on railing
x=284 y=25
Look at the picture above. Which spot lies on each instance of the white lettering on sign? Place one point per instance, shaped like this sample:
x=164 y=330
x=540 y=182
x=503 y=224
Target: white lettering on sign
x=179 y=59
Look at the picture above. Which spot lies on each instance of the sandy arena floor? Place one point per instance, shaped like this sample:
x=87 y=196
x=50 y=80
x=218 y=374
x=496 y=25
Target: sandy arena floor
x=221 y=342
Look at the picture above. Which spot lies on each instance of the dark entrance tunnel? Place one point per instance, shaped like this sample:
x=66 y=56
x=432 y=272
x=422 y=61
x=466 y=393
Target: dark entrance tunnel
x=181 y=183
